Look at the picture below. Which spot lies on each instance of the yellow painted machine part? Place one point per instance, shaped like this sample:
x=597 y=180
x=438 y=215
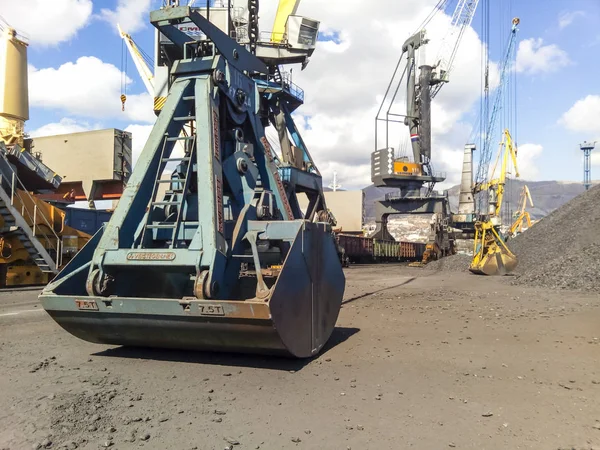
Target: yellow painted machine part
x=491 y=256
x=517 y=226
x=407 y=168
x=26 y=275
x=507 y=147
x=14 y=92
x=18 y=269
x=46 y=215
x=285 y=9
x=522 y=215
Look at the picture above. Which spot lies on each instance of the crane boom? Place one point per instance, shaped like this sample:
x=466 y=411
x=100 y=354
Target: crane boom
x=145 y=72
x=461 y=20
x=496 y=184
x=285 y=9
x=484 y=162
x=522 y=215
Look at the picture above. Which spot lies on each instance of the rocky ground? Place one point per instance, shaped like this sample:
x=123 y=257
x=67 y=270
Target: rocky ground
x=421 y=359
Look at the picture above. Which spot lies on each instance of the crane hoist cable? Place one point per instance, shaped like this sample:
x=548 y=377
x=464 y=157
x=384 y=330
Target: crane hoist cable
x=142 y=61
x=490 y=130
x=123 y=76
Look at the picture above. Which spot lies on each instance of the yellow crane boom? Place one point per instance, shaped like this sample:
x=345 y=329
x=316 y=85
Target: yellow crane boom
x=496 y=186
x=145 y=72
x=285 y=9
x=521 y=215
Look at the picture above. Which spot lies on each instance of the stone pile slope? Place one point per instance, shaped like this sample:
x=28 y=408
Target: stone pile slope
x=563 y=249
x=455 y=263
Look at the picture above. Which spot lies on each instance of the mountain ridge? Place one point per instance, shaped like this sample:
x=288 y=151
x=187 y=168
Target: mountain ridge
x=546 y=195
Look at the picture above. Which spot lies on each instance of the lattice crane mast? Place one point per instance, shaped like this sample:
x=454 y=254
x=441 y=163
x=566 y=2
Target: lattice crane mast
x=490 y=131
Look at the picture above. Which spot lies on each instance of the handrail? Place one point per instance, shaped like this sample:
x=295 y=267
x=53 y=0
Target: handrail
x=46 y=237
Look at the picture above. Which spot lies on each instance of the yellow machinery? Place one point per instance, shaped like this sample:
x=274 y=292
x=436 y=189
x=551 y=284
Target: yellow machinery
x=34 y=240
x=521 y=215
x=491 y=256
x=285 y=9
x=23 y=262
x=407 y=168
x=14 y=99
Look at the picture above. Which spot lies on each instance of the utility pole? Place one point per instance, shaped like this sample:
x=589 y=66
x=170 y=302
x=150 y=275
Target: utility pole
x=587 y=148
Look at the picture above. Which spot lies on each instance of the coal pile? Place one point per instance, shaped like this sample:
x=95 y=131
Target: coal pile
x=563 y=249
x=455 y=263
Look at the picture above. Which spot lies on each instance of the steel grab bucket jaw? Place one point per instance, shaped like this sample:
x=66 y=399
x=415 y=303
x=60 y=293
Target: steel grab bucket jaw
x=294 y=317
x=306 y=299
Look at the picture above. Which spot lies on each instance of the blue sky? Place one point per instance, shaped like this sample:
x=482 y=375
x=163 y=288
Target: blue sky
x=559 y=39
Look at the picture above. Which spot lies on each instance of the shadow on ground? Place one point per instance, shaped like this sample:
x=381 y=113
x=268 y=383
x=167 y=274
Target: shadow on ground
x=366 y=294
x=339 y=335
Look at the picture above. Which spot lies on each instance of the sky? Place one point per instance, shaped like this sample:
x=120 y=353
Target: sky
x=77 y=74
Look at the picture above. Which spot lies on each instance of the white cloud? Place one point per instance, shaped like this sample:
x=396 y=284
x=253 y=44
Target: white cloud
x=535 y=57
x=526 y=159
x=583 y=116
x=566 y=18
x=88 y=87
x=47 y=22
x=131 y=15
x=139 y=136
x=65 y=126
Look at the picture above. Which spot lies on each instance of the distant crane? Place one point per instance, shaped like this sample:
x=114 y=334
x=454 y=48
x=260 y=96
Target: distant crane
x=587 y=148
x=334 y=186
x=522 y=215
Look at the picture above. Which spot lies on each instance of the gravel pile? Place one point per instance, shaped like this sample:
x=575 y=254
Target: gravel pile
x=455 y=263
x=563 y=249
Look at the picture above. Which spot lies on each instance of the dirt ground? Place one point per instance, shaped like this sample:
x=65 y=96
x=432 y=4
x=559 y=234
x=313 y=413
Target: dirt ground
x=420 y=359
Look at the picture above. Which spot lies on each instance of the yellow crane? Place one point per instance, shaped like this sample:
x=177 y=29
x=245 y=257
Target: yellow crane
x=285 y=9
x=491 y=256
x=522 y=215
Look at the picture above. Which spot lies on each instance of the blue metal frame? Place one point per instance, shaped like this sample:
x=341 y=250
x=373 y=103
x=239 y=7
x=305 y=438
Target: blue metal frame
x=226 y=214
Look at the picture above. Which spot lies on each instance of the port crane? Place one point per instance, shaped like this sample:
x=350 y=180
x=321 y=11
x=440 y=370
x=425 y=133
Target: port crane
x=224 y=259
x=421 y=85
x=521 y=216
x=491 y=256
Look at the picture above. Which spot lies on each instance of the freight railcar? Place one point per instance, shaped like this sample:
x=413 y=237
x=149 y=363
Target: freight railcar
x=358 y=249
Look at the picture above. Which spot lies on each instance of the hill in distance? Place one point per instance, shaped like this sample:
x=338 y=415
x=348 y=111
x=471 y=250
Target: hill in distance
x=547 y=196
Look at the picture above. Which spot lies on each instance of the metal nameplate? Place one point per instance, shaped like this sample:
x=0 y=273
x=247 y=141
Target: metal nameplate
x=216 y=134
x=211 y=310
x=219 y=204
x=150 y=256
x=88 y=305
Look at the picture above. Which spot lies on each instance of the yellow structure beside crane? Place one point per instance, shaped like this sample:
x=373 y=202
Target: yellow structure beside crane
x=14 y=96
x=34 y=240
x=491 y=256
x=522 y=215
x=285 y=9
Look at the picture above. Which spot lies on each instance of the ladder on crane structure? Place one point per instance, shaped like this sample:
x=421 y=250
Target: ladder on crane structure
x=179 y=183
